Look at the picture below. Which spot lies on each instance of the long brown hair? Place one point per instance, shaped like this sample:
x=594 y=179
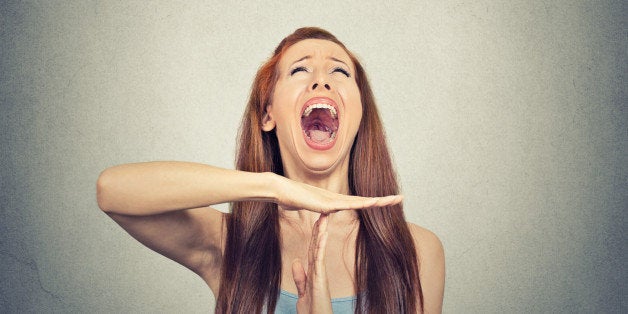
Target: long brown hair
x=387 y=274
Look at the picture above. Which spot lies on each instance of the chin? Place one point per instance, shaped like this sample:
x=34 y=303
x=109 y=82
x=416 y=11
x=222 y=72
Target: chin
x=319 y=165
x=323 y=162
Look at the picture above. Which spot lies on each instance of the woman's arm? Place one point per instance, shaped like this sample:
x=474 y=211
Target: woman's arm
x=158 y=187
x=164 y=205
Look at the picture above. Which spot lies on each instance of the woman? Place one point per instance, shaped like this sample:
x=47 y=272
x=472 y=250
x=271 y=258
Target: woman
x=314 y=182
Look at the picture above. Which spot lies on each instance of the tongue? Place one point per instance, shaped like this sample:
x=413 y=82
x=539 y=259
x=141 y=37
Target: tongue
x=319 y=126
x=319 y=136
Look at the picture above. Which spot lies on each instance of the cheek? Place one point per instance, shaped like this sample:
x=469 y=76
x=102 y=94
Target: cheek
x=283 y=106
x=280 y=99
x=286 y=94
x=351 y=98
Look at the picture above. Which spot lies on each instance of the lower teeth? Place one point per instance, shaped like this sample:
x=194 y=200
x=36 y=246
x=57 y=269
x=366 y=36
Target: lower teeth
x=320 y=136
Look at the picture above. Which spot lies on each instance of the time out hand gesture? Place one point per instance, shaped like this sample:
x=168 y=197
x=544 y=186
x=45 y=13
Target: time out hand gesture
x=293 y=195
x=312 y=287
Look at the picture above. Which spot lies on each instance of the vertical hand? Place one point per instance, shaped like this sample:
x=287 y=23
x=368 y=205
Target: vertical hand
x=313 y=288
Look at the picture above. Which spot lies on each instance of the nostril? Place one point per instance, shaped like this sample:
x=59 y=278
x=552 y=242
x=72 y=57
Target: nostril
x=315 y=86
x=327 y=86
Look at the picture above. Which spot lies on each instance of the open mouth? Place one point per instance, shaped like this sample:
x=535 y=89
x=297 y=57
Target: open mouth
x=319 y=122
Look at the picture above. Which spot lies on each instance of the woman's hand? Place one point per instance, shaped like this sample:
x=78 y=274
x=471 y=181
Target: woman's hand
x=312 y=287
x=293 y=195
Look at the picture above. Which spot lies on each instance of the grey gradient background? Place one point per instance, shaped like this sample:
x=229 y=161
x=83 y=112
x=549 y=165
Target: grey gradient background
x=507 y=121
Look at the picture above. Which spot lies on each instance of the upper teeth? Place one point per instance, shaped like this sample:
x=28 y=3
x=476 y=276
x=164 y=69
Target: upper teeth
x=309 y=109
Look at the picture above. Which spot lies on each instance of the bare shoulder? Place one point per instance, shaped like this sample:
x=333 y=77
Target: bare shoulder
x=427 y=243
x=431 y=267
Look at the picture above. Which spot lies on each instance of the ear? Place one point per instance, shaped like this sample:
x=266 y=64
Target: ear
x=268 y=123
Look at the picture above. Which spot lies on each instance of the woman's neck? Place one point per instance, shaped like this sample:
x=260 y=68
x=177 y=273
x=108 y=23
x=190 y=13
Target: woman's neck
x=303 y=220
x=336 y=181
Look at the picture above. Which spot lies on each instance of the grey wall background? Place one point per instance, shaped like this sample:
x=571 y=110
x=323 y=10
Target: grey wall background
x=508 y=124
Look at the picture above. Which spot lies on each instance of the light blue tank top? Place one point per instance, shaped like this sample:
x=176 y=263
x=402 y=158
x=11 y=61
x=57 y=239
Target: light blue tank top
x=287 y=304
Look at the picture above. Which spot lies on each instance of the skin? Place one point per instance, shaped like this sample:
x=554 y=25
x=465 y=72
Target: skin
x=321 y=72
x=167 y=205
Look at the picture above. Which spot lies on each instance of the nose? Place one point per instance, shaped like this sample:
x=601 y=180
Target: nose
x=325 y=85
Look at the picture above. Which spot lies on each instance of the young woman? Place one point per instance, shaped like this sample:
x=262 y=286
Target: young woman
x=316 y=224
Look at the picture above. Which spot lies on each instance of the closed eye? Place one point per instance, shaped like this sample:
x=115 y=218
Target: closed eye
x=341 y=70
x=297 y=69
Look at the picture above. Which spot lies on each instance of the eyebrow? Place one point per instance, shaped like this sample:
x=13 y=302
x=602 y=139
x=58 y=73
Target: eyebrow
x=338 y=60
x=304 y=58
x=309 y=57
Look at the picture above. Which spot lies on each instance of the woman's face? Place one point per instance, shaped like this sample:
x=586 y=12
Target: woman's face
x=316 y=107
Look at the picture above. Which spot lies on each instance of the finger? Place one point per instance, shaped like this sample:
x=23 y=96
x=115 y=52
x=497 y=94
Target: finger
x=359 y=202
x=319 y=265
x=311 y=254
x=299 y=277
x=321 y=245
x=346 y=202
x=318 y=287
x=316 y=229
x=322 y=223
x=388 y=200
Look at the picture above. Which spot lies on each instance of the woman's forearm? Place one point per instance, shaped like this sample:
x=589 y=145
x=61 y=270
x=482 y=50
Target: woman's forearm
x=158 y=187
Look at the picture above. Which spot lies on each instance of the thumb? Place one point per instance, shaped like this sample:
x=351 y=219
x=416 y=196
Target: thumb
x=299 y=277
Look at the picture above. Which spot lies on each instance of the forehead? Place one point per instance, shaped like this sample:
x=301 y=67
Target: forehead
x=314 y=48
